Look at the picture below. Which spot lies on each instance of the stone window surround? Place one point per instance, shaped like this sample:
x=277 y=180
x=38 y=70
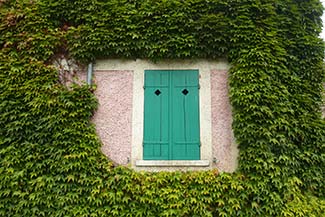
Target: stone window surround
x=138 y=67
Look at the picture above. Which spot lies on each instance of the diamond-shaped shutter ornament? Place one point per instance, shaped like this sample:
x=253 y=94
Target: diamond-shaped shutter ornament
x=185 y=92
x=157 y=92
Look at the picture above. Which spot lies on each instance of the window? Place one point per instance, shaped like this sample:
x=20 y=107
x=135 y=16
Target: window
x=171 y=115
x=126 y=116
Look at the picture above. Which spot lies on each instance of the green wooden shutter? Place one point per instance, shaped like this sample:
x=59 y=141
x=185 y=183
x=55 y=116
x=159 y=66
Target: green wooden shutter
x=171 y=115
x=185 y=116
x=156 y=116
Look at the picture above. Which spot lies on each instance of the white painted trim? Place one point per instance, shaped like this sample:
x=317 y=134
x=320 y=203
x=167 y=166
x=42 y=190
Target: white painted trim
x=139 y=66
x=172 y=163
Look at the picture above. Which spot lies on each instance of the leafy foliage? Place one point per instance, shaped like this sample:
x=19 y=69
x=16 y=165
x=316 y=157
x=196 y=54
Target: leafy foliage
x=50 y=161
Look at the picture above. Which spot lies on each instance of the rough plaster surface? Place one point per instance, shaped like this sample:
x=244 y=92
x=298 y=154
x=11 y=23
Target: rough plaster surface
x=119 y=119
x=224 y=148
x=113 y=119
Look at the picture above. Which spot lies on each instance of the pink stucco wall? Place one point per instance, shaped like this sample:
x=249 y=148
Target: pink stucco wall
x=224 y=148
x=113 y=119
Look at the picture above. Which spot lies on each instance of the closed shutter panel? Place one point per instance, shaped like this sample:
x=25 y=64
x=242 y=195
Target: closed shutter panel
x=156 y=113
x=171 y=115
x=185 y=115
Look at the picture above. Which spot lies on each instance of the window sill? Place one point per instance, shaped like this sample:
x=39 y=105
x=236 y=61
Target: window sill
x=172 y=163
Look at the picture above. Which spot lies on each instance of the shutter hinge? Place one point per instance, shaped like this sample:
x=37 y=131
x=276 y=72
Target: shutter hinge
x=199 y=87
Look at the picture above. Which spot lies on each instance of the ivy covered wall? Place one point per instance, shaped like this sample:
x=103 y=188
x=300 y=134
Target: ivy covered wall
x=50 y=163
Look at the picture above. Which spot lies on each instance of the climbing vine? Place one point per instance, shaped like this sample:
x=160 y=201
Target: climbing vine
x=50 y=158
